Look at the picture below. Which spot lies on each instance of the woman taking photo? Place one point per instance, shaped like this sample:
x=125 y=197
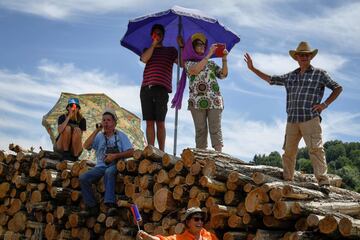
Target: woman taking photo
x=70 y=127
x=205 y=100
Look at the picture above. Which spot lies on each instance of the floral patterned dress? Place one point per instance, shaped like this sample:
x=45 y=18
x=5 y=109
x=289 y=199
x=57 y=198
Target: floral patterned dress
x=204 y=88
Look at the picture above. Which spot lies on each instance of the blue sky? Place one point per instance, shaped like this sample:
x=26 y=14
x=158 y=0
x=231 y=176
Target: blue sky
x=48 y=47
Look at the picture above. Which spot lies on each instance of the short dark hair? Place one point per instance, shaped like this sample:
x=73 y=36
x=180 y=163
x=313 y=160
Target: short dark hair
x=159 y=27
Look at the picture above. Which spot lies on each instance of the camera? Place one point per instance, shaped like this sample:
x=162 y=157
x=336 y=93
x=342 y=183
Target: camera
x=98 y=125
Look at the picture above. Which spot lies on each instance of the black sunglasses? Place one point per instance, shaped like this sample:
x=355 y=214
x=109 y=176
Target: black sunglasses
x=197 y=219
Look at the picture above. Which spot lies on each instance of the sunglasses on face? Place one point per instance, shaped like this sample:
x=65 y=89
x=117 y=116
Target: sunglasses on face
x=303 y=54
x=199 y=44
x=197 y=219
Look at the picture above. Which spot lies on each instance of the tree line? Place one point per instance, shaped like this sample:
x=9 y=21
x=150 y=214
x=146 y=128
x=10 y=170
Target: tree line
x=343 y=159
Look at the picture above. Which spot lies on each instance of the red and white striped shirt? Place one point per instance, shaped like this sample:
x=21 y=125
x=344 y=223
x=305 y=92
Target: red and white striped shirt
x=158 y=70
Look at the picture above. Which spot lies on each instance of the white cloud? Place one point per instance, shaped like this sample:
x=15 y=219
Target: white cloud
x=68 y=9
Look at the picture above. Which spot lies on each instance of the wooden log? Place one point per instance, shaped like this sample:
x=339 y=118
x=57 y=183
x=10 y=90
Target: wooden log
x=301 y=224
x=235 y=236
x=77 y=219
x=193 y=202
x=4 y=189
x=235 y=221
x=162 y=177
x=163 y=201
x=121 y=166
x=168 y=161
x=167 y=222
x=138 y=154
x=190 y=180
x=154 y=167
x=328 y=224
x=344 y=207
x=211 y=201
x=349 y=227
x=276 y=194
x=212 y=184
x=153 y=153
x=268 y=235
x=15 y=206
x=272 y=222
x=267 y=209
x=255 y=199
x=248 y=187
x=132 y=165
x=180 y=192
x=178 y=180
x=282 y=209
x=17 y=223
x=313 y=220
x=144 y=166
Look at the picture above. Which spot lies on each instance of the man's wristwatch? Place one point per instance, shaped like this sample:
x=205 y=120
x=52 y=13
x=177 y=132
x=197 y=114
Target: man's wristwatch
x=326 y=105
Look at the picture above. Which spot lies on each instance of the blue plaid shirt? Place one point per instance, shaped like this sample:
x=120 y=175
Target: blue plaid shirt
x=303 y=92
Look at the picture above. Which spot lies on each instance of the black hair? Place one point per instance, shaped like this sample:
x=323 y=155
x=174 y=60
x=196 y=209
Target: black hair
x=159 y=27
x=109 y=113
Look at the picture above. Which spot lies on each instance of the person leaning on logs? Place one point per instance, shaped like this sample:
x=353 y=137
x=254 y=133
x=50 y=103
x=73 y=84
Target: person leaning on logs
x=194 y=222
x=305 y=89
x=110 y=145
x=70 y=127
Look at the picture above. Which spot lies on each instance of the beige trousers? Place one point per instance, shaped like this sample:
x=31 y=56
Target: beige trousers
x=203 y=118
x=311 y=132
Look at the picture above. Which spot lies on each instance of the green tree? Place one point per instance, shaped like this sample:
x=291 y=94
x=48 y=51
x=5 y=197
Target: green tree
x=335 y=151
x=354 y=157
x=274 y=159
x=303 y=153
x=350 y=176
x=304 y=165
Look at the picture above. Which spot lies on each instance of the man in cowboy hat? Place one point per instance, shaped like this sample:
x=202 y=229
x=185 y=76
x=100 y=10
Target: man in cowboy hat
x=305 y=89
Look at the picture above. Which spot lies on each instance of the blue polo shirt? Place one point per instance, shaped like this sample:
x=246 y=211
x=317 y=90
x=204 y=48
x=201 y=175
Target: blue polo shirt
x=99 y=145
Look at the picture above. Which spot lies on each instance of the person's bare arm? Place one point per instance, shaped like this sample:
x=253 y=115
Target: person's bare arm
x=260 y=74
x=114 y=156
x=198 y=67
x=142 y=235
x=88 y=142
x=334 y=94
x=145 y=57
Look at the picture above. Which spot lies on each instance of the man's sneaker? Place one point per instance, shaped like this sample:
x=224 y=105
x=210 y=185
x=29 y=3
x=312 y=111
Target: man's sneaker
x=325 y=189
x=112 y=209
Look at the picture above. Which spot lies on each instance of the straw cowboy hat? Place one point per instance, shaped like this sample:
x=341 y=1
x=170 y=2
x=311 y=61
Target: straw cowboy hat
x=303 y=47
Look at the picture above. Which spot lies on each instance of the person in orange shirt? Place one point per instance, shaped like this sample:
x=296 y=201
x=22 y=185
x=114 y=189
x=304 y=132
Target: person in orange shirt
x=194 y=222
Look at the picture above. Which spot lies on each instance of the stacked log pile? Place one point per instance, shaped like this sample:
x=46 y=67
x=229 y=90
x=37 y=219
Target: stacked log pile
x=40 y=197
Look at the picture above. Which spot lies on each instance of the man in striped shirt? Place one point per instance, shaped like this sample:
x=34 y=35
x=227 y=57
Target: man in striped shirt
x=304 y=92
x=157 y=84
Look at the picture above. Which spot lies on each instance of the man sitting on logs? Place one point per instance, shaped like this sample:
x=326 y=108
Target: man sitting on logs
x=194 y=222
x=304 y=88
x=110 y=145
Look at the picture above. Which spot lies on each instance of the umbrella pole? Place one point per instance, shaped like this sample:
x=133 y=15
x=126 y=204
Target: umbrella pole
x=177 y=83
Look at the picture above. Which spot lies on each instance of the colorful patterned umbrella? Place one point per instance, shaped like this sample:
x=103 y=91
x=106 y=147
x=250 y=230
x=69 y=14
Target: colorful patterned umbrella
x=92 y=106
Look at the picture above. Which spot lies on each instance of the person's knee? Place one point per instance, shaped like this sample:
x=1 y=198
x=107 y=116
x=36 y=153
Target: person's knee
x=150 y=124
x=160 y=124
x=77 y=132
x=109 y=172
x=67 y=130
x=83 y=178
